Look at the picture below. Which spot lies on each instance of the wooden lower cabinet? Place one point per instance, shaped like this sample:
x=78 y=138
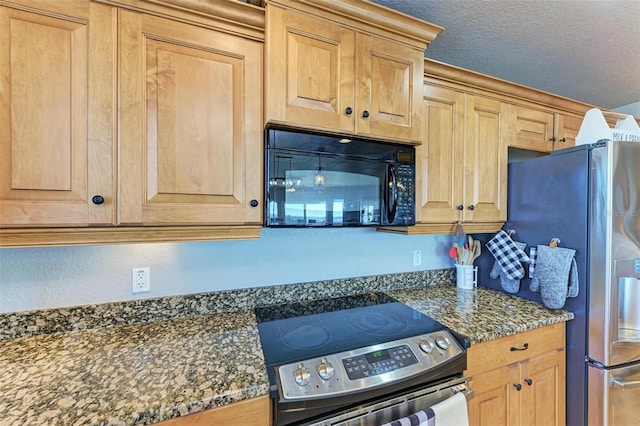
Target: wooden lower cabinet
x=494 y=402
x=522 y=386
x=250 y=412
x=545 y=396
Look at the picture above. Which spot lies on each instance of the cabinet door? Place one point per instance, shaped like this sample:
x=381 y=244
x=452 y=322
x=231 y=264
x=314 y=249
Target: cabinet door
x=57 y=115
x=532 y=129
x=191 y=124
x=389 y=85
x=566 y=130
x=439 y=160
x=250 y=412
x=309 y=71
x=496 y=400
x=485 y=159
x=543 y=384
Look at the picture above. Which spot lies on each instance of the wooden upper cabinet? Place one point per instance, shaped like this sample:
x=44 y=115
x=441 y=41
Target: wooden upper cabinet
x=148 y=116
x=191 y=124
x=330 y=73
x=310 y=66
x=461 y=166
x=542 y=130
x=57 y=114
x=532 y=129
x=485 y=188
x=566 y=129
x=439 y=160
x=389 y=78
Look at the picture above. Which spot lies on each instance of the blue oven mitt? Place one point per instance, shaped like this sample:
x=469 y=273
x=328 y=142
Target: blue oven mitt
x=556 y=275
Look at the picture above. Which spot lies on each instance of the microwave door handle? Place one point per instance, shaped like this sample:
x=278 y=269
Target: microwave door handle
x=392 y=193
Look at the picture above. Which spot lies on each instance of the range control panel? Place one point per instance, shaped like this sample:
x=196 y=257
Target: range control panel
x=365 y=368
x=379 y=362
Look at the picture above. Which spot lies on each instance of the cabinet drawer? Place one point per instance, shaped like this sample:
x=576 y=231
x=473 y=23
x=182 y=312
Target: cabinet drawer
x=496 y=353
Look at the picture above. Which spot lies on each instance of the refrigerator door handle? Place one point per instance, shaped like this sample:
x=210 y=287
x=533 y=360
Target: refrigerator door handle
x=625 y=384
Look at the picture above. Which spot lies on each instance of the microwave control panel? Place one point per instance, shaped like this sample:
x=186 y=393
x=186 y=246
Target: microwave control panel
x=405 y=211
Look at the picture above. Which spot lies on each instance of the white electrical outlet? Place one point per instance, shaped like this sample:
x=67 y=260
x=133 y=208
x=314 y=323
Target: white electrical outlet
x=417 y=257
x=140 y=280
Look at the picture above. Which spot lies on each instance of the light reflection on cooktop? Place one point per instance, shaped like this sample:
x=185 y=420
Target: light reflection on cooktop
x=312 y=307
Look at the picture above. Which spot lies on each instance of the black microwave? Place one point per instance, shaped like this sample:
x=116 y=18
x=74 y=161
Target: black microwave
x=315 y=180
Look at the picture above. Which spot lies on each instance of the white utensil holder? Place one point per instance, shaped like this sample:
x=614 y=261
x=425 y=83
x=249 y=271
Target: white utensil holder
x=466 y=276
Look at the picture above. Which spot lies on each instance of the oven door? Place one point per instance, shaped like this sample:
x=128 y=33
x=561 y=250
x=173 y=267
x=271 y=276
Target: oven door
x=369 y=408
x=397 y=407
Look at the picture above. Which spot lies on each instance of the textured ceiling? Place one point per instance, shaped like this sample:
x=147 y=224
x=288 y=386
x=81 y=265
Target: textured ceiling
x=588 y=50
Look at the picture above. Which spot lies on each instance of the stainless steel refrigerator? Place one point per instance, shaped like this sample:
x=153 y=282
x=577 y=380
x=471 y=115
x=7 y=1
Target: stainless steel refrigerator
x=589 y=197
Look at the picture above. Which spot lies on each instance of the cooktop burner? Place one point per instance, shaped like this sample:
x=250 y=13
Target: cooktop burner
x=306 y=336
x=315 y=328
x=385 y=324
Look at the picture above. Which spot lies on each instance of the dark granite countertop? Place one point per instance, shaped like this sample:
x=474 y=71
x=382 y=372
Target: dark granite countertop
x=481 y=314
x=134 y=374
x=145 y=373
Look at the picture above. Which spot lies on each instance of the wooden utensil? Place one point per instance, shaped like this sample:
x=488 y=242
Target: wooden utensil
x=477 y=250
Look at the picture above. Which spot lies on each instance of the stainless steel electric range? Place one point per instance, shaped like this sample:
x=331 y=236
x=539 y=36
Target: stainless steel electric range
x=363 y=359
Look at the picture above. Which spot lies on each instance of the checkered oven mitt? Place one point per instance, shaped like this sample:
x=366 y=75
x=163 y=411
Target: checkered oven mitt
x=533 y=255
x=508 y=284
x=508 y=255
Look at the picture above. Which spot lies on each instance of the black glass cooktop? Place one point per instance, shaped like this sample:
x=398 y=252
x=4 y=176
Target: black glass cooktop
x=304 y=330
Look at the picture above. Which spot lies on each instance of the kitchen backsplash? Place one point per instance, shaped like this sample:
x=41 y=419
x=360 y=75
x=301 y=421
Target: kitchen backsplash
x=30 y=323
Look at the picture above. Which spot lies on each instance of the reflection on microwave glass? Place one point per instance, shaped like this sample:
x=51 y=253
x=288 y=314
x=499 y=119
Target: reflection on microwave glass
x=346 y=198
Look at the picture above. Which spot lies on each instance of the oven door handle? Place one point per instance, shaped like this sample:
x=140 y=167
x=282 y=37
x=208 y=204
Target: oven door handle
x=391 y=193
x=465 y=390
x=387 y=410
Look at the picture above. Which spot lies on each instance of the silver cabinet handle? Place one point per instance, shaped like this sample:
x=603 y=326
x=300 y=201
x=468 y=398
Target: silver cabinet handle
x=626 y=384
